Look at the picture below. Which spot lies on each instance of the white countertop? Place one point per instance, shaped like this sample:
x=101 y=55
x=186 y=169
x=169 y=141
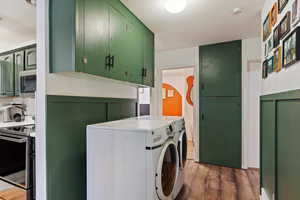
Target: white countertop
x=28 y=121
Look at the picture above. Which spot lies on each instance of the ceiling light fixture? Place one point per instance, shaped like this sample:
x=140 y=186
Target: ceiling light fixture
x=175 y=6
x=32 y=2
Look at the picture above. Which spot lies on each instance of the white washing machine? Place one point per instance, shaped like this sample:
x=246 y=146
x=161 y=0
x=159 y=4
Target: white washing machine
x=134 y=159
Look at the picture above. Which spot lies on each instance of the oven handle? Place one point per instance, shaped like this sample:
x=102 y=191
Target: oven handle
x=21 y=140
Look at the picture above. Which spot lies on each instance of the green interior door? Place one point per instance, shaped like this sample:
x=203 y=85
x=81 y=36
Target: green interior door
x=220 y=104
x=96 y=36
x=118 y=45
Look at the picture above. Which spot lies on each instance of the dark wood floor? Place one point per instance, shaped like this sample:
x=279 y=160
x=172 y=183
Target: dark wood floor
x=208 y=182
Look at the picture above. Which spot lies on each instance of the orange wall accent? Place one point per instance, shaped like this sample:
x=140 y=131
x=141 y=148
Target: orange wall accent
x=190 y=82
x=172 y=106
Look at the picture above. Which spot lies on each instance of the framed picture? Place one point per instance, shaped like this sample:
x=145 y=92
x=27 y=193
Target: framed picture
x=291 y=45
x=270 y=65
x=281 y=5
x=276 y=37
x=270 y=44
x=274 y=14
x=265 y=69
x=266 y=28
x=285 y=25
x=278 y=59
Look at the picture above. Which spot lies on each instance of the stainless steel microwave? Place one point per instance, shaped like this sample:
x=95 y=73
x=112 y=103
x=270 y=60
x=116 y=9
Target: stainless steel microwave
x=28 y=82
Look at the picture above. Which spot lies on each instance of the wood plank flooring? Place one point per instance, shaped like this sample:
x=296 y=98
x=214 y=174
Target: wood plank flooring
x=209 y=182
x=12 y=194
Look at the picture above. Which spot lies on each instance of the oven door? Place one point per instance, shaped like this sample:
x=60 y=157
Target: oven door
x=15 y=160
x=28 y=83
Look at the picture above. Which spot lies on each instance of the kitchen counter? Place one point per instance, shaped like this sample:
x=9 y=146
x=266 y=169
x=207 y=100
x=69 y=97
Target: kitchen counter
x=28 y=121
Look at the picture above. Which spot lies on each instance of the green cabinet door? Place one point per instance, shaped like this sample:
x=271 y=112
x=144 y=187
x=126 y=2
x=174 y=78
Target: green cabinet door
x=118 y=46
x=220 y=70
x=134 y=53
x=19 y=66
x=288 y=148
x=7 y=75
x=96 y=37
x=148 y=70
x=267 y=140
x=220 y=131
x=30 y=59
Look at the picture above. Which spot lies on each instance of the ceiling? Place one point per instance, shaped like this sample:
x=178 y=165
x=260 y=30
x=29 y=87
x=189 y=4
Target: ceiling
x=202 y=22
x=18 y=24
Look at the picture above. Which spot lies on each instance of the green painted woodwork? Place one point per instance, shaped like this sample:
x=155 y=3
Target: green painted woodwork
x=96 y=36
x=221 y=68
x=220 y=96
x=30 y=59
x=148 y=78
x=84 y=33
x=279 y=123
x=7 y=75
x=220 y=131
x=267 y=164
x=67 y=118
x=19 y=66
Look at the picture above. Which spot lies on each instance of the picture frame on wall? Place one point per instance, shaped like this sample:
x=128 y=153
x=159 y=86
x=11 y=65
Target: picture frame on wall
x=266 y=28
x=278 y=59
x=265 y=69
x=276 y=37
x=274 y=14
x=270 y=65
x=291 y=45
x=270 y=45
x=285 y=25
x=281 y=5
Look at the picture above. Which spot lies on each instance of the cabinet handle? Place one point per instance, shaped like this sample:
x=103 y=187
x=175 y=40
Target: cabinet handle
x=145 y=72
x=107 y=61
x=84 y=60
x=112 y=61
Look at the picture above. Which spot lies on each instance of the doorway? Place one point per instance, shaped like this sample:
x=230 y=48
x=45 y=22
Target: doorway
x=178 y=99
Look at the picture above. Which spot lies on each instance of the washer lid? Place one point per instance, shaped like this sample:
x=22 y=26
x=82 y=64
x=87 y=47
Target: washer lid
x=167 y=171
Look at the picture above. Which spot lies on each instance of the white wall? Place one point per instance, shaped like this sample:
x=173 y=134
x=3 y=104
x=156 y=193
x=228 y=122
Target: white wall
x=286 y=79
x=251 y=54
x=16 y=45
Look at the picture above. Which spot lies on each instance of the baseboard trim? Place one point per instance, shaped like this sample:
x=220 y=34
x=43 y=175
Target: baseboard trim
x=264 y=195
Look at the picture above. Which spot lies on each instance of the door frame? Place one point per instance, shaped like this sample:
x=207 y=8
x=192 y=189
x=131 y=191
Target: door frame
x=156 y=100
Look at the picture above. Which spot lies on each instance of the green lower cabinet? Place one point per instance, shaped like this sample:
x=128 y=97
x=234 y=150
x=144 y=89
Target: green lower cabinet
x=280 y=145
x=7 y=75
x=268 y=147
x=67 y=118
x=99 y=37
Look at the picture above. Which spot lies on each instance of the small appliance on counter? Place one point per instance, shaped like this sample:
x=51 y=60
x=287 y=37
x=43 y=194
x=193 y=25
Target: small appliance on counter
x=12 y=113
x=28 y=82
x=17 y=162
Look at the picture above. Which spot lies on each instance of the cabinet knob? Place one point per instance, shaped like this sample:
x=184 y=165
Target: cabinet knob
x=84 y=60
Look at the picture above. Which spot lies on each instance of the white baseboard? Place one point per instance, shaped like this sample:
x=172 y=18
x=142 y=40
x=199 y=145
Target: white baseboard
x=264 y=195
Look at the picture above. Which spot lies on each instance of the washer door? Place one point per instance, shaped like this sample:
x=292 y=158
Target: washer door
x=182 y=149
x=167 y=171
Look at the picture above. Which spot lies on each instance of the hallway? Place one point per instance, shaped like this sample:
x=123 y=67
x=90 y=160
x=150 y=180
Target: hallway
x=208 y=182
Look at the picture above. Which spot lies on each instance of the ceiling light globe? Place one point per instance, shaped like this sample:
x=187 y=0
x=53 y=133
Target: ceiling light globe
x=175 y=6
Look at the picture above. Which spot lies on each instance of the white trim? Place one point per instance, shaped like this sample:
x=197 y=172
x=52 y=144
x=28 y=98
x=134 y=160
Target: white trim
x=245 y=133
x=264 y=195
x=42 y=65
x=156 y=97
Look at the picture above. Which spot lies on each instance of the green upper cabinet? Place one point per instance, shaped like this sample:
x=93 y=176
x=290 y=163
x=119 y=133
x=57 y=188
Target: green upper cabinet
x=30 y=59
x=148 y=70
x=19 y=66
x=7 y=75
x=99 y=37
x=96 y=37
